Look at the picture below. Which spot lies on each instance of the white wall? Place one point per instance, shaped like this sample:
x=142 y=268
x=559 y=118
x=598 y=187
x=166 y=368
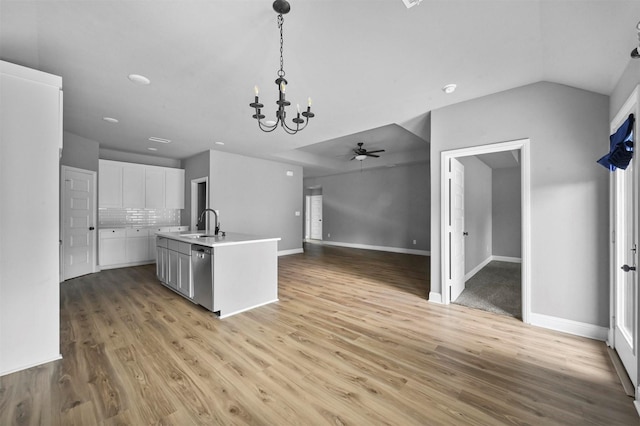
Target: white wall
x=478 y=222
x=568 y=130
x=30 y=143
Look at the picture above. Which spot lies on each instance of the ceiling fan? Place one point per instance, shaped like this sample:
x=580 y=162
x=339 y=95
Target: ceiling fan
x=360 y=153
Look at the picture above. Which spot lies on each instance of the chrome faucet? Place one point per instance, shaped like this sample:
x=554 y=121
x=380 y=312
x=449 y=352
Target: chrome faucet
x=217 y=223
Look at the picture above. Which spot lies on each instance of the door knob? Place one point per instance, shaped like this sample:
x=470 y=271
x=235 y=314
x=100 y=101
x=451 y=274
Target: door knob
x=91 y=228
x=628 y=268
x=465 y=233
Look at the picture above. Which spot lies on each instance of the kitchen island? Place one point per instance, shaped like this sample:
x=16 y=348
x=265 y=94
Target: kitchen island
x=227 y=274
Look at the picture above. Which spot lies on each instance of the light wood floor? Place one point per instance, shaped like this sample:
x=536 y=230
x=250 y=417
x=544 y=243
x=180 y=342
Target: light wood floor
x=352 y=341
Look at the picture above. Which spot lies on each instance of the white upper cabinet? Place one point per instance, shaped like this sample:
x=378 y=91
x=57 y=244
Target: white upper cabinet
x=109 y=184
x=130 y=185
x=155 y=187
x=174 y=188
x=133 y=186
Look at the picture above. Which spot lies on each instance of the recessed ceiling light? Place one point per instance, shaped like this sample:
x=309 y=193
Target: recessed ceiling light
x=139 y=79
x=219 y=143
x=152 y=149
x=161 y=140
x=110 y=119
x=449 y=88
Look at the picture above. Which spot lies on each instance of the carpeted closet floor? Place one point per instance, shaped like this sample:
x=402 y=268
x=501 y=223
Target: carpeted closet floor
x=495 y=288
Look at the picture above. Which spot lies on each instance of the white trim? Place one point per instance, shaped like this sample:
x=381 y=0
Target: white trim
x=569 y=326
x=636 y=403
x=194 y=202
x=478 y=268
x=24 y=367
x=370 y=247
x=247 y=309
x=525 y=171
x=291 y=251
x=126 y=265
x=507 y=259
x=435 y=297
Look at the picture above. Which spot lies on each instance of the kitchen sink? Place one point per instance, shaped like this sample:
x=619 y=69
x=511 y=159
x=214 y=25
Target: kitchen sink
x=197 y=236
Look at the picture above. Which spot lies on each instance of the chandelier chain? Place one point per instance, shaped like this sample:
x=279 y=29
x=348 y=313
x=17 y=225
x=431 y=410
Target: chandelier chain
x=280 y=25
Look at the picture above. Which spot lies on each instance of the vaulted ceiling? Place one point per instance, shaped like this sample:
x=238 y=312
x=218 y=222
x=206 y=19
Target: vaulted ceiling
x=373 y=68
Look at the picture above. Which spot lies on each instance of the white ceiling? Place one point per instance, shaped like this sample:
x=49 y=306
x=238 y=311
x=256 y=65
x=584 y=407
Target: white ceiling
x=373 y=68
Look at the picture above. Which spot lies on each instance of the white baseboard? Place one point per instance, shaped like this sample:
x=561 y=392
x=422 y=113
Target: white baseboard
x=477 y=269
x=288 y=252
x=507 y=259
x=228 y=314
x=24 y=367
x=582 y=329
x=435 y=297
x=370 y=247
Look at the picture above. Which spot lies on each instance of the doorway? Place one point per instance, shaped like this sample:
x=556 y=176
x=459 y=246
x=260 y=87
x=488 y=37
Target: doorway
x=452 y=238
x=623 y=329
x=313 y=217
x=199 y=202
x=78 y=222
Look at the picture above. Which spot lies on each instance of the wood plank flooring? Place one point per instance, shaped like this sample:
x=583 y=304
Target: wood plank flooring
x=352 y=341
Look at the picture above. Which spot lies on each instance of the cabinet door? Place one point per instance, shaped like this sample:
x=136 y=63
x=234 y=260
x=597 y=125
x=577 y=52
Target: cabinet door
x=109 y=184
x=112 y=251
x=151 y=241
x=173 y=269
x=174 y=181
x=154 y=187
x=133 y=186
x=161 y=263
x=185 y=284
x=137 y=249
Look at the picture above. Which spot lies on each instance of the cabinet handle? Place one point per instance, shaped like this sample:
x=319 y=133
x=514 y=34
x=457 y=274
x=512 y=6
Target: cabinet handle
x=91 y=228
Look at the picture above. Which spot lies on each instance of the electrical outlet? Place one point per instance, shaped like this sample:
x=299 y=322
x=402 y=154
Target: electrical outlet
x=414 y=242
x=328 y=235
x=297 y=213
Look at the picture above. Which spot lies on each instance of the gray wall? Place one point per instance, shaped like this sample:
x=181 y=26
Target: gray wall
x=387 y=207
x=568 y=129
x=628 y=81
x=256 y=196
x=79 y=152
x=477 y=212
x=507 y=216
x=195 y=167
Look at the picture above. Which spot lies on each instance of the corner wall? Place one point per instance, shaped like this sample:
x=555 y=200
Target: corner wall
x=568 y=130
x=257 y=197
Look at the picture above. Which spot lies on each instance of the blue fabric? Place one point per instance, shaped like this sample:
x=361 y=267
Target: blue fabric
x=620 y=147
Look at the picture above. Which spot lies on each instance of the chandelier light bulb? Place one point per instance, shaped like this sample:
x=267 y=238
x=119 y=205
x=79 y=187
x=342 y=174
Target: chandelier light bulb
x=309 y=102
x=255 y=89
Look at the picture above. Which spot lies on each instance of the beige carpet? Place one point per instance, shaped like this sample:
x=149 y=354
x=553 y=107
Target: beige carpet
x=495 y=288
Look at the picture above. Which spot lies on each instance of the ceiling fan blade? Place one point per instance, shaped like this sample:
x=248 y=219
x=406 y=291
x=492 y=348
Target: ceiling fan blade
x=377 y=150
x=372 y=155
x=352 y=158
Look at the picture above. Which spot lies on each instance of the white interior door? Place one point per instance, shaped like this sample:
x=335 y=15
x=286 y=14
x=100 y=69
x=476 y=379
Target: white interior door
x=316 y=217
x=456 y=229
x=625 y=291
x=78 y=222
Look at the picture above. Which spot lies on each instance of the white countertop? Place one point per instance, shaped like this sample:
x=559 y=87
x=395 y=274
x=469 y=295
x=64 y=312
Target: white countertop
x=207 y=239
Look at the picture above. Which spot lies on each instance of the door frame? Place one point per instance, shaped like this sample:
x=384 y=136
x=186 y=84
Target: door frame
x=523 y=145
x=63 y=189
x=194 y=201
x=631 y=106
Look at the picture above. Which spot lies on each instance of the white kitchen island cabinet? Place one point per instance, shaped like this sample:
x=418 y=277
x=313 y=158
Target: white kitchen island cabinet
x=243 y=275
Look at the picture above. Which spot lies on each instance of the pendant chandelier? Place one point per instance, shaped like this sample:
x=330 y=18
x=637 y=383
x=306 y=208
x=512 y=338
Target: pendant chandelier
x=281 y=7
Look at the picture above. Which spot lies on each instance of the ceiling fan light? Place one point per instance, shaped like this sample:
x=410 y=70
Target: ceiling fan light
x=360 y=157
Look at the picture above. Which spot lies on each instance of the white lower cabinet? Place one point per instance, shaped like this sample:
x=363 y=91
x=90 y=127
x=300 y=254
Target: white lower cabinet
x=112 y=247
x=173 y=266
x=130 y=246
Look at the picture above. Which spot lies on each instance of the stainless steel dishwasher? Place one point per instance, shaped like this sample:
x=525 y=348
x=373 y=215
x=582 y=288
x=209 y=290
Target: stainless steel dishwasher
x=202 y=270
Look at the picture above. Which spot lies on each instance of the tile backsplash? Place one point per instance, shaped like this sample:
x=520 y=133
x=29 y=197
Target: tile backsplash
x=138 y=217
